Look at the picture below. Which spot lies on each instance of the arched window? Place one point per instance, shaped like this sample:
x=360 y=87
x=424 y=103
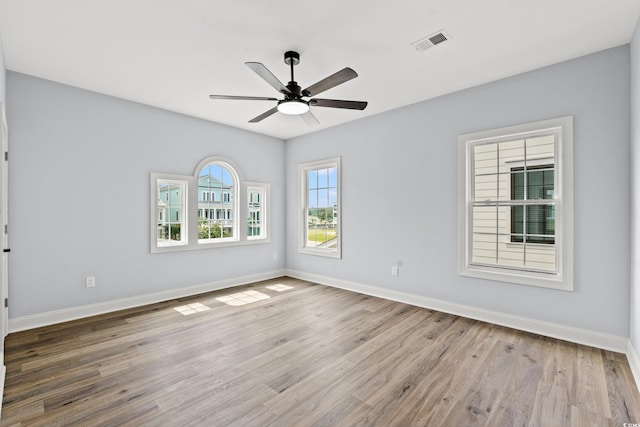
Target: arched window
x=218 y=205
x=214 y=207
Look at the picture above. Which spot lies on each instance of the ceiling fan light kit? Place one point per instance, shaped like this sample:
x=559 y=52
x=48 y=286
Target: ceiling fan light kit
x=293 y=102
x=293 y=107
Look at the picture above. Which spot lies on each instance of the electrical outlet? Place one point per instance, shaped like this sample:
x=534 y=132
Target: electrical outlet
x=394 y=270
x=90 y=281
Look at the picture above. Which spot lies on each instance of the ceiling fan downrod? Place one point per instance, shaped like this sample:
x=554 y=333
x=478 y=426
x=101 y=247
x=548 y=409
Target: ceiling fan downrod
x=292 y=59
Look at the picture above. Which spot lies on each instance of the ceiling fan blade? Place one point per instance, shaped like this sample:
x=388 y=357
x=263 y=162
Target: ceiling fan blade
x=333 y=80
x=310 y=119
x=245 y=98
x=268 y=76
x=264 y=115
x=337 y=103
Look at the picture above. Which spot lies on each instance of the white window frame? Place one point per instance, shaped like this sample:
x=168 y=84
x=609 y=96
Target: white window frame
x=239 y=210
x=234 y=196
x=303 y=168
x=264 y=190
x=155 y=180
x=562 y=278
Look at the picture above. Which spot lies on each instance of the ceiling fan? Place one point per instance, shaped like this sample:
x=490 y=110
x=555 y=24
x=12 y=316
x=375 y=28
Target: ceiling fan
x=293 y=102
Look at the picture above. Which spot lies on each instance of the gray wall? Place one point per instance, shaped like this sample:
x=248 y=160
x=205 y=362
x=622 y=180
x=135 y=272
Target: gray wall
x=635 y=189
x=79 y=196
x=79 y=193
x=399 y=192
x=3 y=75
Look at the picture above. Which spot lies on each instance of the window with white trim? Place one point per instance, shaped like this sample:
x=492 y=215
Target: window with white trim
x=320 y=208
x=171 y=202
x=217 y=178
x=256 y=209
x=204 y=210
x=516 y=204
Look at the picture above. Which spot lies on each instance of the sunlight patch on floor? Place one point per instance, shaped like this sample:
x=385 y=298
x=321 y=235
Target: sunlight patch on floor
x=188 y=309
x=242 y=298
x=279 y=287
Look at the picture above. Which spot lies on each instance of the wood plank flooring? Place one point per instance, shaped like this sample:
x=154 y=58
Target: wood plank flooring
x=306 y=356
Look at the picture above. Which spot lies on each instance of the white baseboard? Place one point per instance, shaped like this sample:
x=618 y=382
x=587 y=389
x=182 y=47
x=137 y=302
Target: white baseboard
x=59 y=316
x=553 y=330
x=567 y=333
x=3 y=373
x=634 y=363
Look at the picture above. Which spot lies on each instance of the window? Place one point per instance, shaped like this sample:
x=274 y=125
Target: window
x=217 y=178
x=204 y=210
x=320 y=208
x=516 y=204
x=256 y=225
x=170 y=196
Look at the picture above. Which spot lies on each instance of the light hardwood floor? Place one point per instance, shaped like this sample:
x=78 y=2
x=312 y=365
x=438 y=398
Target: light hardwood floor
x=309 y=355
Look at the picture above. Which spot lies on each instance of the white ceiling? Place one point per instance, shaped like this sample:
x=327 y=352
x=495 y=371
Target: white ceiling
x=173 y=54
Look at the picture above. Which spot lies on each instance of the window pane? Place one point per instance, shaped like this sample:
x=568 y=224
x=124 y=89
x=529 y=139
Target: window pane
x=215 y=203
x=517 y=184
x=541 y=223
x=509 y=255
x=333 y=177
x=320 y=221
x=312 y=179
x=485 y=249
x=255 y=226
x=540 y=184
x=312 y=200
x=486 y=187
x=509 y=152
x=227 y=181
x=321 y=230
x=485 y=218
x=517 y=223
x=542 y=257
x=323 y=198
x=323 y=178
x=485 y=159
x=333 y=197
x=540 y=147
x=170 y=214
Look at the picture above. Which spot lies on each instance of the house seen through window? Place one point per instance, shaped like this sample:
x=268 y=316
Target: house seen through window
x=533 y=223
x=216 y=185
x=207 y=209
x=516 y=204
x=170 y=228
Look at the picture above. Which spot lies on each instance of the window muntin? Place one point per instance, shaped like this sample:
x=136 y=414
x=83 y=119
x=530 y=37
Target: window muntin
x=216 y=214
x=320 y=225
x=513 y=197
x=171 y=199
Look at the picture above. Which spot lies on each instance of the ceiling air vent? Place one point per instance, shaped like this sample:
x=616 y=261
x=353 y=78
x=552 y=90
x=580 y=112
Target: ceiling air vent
x=431 y=40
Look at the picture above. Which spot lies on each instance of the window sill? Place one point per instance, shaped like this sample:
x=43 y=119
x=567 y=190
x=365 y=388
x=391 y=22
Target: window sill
x=541 y=280
x=320 y=252
x=201 y=246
